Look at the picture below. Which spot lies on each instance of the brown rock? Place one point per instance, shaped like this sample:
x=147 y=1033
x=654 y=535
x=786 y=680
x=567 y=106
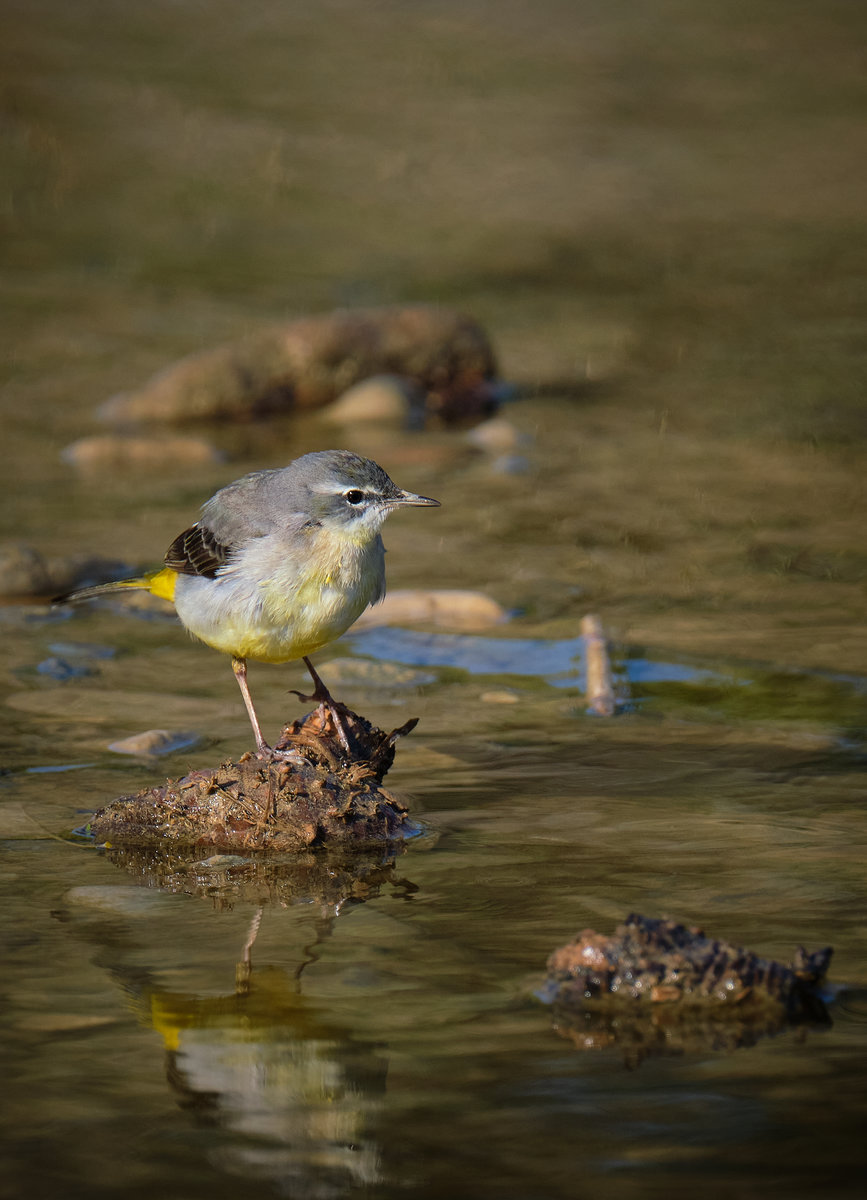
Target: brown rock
x=309 y=362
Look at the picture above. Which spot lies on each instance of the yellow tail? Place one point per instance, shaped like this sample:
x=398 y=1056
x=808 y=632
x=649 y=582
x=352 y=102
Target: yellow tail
x=158 y=583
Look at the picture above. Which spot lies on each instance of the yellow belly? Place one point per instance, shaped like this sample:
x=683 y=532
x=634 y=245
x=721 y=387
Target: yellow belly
x=276 y=619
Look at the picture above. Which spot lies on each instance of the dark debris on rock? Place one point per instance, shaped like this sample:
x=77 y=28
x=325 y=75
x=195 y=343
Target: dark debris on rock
x=321 y=796
x=654 y=986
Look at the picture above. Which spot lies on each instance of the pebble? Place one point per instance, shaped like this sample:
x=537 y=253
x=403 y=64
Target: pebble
x=154 y=742
x=380 y=398
x=453 y=609
x=116 y=452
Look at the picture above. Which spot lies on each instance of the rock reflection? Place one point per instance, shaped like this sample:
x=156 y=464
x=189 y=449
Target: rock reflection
x=329 y=879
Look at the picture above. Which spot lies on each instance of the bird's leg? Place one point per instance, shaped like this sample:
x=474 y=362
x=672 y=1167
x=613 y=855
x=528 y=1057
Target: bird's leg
x=263 y=750
x=239 y=666
x=325 y=700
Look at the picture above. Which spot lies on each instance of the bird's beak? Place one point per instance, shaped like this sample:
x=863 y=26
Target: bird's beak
x=416 y=501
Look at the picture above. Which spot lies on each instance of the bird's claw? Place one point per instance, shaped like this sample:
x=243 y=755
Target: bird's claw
x=268 y=754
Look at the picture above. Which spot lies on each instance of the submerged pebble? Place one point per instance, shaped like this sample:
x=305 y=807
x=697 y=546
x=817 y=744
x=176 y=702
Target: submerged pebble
x=119 y=899
x=154 y=742
x=56 y=667
x=115 y=452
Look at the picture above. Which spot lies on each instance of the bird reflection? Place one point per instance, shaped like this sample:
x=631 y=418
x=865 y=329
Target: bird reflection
x=298 y=1094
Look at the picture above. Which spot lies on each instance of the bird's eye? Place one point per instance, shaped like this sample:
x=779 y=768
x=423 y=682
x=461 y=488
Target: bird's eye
x=354 y=496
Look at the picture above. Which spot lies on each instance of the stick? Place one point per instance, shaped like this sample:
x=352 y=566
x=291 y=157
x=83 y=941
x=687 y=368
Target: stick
x=600 y=686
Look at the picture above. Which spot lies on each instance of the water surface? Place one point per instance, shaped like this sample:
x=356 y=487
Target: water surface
x=658 y=213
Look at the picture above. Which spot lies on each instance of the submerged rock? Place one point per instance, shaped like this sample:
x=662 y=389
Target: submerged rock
x=654 y=986
x=318 y=794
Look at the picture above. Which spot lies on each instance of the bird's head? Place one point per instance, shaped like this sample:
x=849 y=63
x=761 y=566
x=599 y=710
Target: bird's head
x=346 y=492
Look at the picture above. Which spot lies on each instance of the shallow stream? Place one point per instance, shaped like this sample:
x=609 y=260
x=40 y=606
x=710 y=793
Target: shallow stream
x=666 y=206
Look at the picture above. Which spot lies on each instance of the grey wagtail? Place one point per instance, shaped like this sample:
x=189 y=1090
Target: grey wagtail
x=280 y=563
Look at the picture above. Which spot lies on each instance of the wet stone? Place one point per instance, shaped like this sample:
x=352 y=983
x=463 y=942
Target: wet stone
x=315 y=795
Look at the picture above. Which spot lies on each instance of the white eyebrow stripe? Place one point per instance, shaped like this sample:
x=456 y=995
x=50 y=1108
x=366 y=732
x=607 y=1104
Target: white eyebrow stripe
x=341 y=489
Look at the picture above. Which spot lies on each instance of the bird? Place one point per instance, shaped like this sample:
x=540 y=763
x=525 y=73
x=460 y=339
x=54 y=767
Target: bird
x=280 y=563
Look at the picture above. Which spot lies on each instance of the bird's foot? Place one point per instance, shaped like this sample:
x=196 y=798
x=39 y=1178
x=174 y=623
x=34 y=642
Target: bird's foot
x=266 y=753
x=327 y=704
x=327 y=709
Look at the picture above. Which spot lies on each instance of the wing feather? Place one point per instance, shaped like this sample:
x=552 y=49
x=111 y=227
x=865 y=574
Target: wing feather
x=197 y=551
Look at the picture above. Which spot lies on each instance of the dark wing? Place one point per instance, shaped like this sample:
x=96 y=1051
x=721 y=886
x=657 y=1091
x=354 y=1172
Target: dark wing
x=197 y=551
